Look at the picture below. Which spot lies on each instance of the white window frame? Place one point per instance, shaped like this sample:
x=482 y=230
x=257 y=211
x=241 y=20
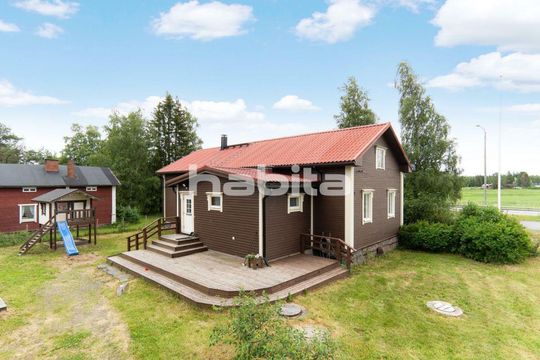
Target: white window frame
x=209 y=196
x=367 y=218
x=299 y=207
x=382 y=150
x=29 y=189
x=391 y=201
x=21 y=220
x=91 y=188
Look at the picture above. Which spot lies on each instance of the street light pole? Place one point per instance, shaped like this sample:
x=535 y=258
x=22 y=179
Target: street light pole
x=485 y=163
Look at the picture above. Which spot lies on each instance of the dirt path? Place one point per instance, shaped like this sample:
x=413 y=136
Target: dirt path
x=72 y=317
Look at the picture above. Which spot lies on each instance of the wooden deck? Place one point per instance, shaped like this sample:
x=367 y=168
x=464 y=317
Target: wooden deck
x=214 y=278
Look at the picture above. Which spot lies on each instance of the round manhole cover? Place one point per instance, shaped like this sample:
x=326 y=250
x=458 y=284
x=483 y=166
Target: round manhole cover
x=442 y=307
x=290 y=310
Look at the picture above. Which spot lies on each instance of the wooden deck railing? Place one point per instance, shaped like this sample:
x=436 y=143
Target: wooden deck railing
x=139 y=240
x=79 y=214
x=328 y=246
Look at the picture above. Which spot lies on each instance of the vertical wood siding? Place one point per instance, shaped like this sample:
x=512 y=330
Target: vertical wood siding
x=170 y=198
x=239 y=219
x=283 y=230
x=329 y=211
x=368 y=177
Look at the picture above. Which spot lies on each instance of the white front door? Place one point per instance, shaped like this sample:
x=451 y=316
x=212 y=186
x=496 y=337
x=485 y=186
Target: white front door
x=187 y=224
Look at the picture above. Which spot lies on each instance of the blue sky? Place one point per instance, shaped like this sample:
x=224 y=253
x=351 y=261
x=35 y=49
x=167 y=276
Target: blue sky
x=260 y=69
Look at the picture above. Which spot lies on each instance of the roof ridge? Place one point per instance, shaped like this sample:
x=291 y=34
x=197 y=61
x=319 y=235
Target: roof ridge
x=302 y=135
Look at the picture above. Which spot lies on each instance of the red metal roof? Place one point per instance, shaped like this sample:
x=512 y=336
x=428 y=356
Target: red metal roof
x=327 y=147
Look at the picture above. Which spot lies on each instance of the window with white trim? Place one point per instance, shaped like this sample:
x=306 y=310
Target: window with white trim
x=215 y=201
x=29 y=189
x=391 y=203
x=367 y=206
x=91 y=188
x=380 y=158
x=295 y=203
x=27 y=213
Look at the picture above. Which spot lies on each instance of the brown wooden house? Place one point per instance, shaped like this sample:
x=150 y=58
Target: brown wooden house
x=296 y=208
x=365 y=215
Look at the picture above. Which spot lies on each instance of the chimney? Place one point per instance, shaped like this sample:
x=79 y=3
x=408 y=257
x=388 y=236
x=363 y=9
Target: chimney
x=71 y=169
x=223 y=142
x=51 y=166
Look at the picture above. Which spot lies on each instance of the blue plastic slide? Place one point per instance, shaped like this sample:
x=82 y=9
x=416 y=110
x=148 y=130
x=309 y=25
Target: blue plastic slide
x=69 y=243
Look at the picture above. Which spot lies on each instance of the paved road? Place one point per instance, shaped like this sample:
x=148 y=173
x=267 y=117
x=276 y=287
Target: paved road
x=522 y=212
x=531 y=225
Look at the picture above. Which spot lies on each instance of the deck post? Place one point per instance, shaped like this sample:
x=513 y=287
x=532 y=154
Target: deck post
x=137 y=242
x=145 y=238
x=95 y=231
x=177 y=224
x=159 y=227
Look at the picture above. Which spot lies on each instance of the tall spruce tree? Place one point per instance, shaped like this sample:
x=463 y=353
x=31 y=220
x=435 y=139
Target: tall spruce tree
x=355 y=109
x=10 y=147
x=172 y=132
x=434 y=185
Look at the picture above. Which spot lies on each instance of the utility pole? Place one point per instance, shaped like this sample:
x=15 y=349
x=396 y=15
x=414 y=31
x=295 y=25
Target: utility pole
x=499 y=205
x=485 y=163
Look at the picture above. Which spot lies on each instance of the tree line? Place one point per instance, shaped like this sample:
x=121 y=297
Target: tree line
x=510 y=180
x=135 y=147
x=131 y=145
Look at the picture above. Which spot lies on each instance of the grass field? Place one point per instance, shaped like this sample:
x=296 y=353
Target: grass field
x=65 y=308
x=513 y=198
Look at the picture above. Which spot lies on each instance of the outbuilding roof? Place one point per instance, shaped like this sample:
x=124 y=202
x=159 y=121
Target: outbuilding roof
x=58 y=194
x=19 y=175
x=328 y=147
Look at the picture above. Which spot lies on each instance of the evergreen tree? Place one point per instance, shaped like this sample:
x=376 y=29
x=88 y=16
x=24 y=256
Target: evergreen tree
x=355 y=109
x=10 y=148
x=172 y=132
x=434 y=183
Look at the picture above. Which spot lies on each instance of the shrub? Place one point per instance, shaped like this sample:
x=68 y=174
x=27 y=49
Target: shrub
x=128 y=214
x=504 y=241
x=434 y=237
x=482 y=234
x=257 y=331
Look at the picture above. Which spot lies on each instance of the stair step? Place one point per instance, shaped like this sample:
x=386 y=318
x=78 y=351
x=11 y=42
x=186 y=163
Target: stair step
x=176 y=239
x=184 y=291
x=175 y=254
x=202 y=298
x=177 y=247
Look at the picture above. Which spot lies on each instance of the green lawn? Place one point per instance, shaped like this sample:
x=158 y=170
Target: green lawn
x=65 y=308
x=517 y=198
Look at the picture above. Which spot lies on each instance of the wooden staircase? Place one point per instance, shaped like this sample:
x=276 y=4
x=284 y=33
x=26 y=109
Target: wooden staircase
x=177 y=245
x=36 y=237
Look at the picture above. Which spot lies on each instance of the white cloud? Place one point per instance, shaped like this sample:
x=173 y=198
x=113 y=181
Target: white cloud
x=10 y=97
x=516 y=71
x=525 y=108
x=8 y=27
x=49 y=31
x=412 y=5
x=223 y=111
x=511 y=25
x=59 y=8
x=207 y=21
x=215 y=118
x=146 y=106
x=339 y=23
x=294 y=103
